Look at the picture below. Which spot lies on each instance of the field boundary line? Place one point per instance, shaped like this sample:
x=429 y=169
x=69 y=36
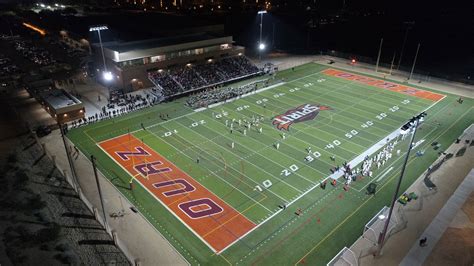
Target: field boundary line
x=212 y=173
x=365 y=202
x=162 y=203
x=256 y=166
x=133 y=204
x=190 y=113
x=370 y=151
x=238 y=97
x=258 y=153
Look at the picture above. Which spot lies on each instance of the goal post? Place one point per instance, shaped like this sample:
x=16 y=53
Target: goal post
x=345 y=257
x=375 y=226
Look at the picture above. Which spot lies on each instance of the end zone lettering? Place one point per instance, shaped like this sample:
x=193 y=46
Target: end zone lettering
x=301 y=113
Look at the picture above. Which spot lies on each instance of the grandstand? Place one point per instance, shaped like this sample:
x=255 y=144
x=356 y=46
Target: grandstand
x=183 y=79
x=177 y=64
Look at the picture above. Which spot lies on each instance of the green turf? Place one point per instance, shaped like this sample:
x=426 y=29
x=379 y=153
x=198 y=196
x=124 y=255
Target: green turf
x=331 y=218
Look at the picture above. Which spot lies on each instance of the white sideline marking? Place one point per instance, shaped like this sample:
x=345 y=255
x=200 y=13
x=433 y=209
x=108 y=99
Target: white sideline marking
x=372 y=150
x=241 y=96
x=162 y=203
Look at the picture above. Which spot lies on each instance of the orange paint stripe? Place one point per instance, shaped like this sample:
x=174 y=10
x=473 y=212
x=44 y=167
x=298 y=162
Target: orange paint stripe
x=385 y=85
x=218 y=230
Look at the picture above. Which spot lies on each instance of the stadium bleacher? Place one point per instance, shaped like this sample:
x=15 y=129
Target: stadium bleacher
x=181 y=79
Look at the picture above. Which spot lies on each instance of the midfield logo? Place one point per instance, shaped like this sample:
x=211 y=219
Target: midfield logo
x=301 y=113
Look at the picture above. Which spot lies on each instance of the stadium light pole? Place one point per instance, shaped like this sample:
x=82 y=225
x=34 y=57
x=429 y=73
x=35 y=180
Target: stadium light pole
x=414 y=61
x=378 y=57
x=391 y=65
x=261 y=46
x=107 y=74
x=412 y=124
x=403 y=44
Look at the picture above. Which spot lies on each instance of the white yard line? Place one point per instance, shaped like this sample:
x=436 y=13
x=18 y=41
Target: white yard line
x=336 y=175
x=162 y=203
x=216 y=174
x=384 y=174
x=282 y=198
x=239 y=97
x=360 y=158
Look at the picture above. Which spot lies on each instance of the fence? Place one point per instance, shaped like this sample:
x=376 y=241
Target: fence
x=404 y=71
x=69 y=178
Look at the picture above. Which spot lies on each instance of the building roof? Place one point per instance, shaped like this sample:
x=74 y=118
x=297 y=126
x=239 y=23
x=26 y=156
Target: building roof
x=59 y=100
x=158 y=42
x=123 y=51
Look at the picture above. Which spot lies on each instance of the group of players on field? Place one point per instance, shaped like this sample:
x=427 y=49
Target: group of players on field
x=349 y=174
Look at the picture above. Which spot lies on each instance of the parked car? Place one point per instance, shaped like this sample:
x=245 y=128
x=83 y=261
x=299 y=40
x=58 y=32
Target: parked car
x=42 y=131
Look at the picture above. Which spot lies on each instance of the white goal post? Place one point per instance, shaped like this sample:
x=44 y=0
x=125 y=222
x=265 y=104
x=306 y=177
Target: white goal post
x=374 y=227
x=345 y=257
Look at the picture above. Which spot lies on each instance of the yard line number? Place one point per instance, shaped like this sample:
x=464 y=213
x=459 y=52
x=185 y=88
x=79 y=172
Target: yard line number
x=264 y=100
x=333 y=144
x=197 y=123
x=288 y=171
x=312 y=156
x=224 y=113
x=243 y=107
x=170 y=133
x=266 y=184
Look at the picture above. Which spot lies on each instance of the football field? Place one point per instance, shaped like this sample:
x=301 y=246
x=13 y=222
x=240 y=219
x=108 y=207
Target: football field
x=239 y=182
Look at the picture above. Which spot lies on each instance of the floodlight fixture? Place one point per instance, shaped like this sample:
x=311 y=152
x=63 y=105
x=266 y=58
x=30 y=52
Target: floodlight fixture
x=261 y=12
x=98 y=28
x=261 y=46
x=108 y=76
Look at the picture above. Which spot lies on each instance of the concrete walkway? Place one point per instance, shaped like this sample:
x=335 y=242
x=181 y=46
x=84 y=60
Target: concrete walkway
x=417 y=254
x=422 y=212
x=146 y=244
x=138 y=238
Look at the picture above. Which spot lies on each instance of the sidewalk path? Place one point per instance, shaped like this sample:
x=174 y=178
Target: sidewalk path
x=417 y=254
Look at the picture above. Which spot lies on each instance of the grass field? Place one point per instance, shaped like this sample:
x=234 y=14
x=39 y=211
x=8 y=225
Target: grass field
x=214 y=191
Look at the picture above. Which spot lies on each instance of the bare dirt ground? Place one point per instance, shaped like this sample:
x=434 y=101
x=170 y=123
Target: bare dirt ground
x=42 y=220
x=456 y=246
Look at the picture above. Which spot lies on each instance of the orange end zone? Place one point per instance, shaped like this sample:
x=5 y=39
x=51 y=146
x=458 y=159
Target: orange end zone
x=211 y=219
x=386 y=85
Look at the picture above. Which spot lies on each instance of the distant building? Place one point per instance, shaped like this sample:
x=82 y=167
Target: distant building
x=61 y=105
x=129 y=62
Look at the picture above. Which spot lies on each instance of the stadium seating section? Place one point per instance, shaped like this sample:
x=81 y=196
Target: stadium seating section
x=181 y=79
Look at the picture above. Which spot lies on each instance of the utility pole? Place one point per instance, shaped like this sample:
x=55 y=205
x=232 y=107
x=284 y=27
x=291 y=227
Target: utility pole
x=378 y=57
x=403 y=48
x=391 y=65
x=414 y=61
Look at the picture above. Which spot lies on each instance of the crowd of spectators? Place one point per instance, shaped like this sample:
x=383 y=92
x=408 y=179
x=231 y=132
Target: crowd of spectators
x=119 y=105
x=188 y=77
x=220 y=94
x=191 y=77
